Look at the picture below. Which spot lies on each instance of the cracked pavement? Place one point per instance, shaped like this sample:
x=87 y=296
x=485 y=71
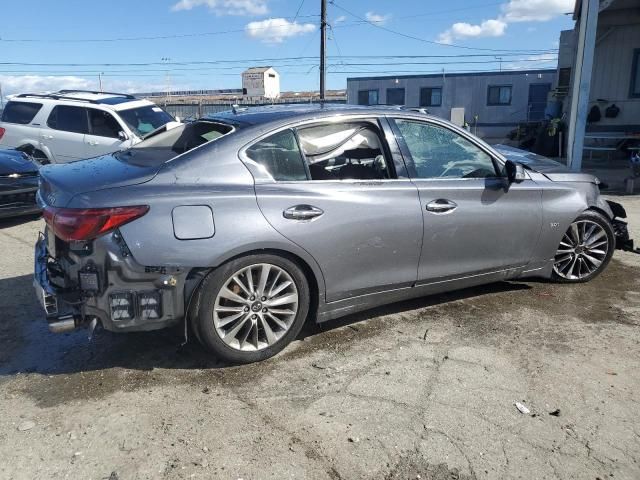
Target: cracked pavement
x=419 y=389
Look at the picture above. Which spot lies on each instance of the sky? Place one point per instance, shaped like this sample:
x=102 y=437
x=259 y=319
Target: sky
x=156 y=45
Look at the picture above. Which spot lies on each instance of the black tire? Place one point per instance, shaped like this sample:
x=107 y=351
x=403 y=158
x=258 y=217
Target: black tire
x=203 y=312
x=605 y=223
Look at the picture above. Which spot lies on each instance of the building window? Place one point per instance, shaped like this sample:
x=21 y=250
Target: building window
x=395 y=96
x=431 y=97
x=564 y=77
x=367 y=97
x=635 y=74
x=499 y=95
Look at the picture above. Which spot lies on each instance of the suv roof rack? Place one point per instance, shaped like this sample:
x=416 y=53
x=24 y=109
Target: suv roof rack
x=54 y=96
x=64 y=95
x=95 y=92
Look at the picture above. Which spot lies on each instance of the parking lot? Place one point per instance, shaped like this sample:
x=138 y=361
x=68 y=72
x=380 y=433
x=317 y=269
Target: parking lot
x=420 y=389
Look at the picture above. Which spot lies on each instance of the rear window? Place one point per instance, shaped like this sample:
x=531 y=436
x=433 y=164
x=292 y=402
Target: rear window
x=164 y=146
x=144 y=120
x=20 y=112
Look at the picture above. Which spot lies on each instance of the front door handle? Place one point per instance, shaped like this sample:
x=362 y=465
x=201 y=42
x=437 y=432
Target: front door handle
x=47 y=137
x=441 y=205
x=93 y=143
x=302 y=212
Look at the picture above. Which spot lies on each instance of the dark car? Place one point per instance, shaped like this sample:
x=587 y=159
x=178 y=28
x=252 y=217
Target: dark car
x=18 y=184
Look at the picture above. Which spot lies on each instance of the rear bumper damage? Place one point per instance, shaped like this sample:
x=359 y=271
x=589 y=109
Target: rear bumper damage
x=100 y=282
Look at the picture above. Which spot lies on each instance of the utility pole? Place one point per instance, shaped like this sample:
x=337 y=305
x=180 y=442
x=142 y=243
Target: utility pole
x=100 y=80
x=323 y=47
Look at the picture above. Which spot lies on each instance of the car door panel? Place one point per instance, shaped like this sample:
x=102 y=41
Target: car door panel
x=493 y=227
x=475 y=221
x=367 y=239
x=64 y=134
x=331 y=190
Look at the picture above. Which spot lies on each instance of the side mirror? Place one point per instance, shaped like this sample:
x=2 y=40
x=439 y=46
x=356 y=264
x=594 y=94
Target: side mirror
x=515 y=172
x=123 y=136
x=178 y=119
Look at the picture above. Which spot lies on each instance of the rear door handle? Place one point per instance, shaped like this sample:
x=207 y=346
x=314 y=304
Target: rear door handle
x=47 y=137
x=93 y=143
x=441 y=205
x=302 y=212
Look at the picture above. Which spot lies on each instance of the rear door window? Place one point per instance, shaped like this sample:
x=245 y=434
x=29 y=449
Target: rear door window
x=69 y=119
x=20 y=112
x=344 y=151
x=103 y=124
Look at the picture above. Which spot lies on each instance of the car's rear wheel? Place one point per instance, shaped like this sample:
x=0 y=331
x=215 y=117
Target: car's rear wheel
x=252 y=307
x=585 y=249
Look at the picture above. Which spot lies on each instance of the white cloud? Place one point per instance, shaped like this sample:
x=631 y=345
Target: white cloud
x=276 y=30
x=461 y=30
x=13 y=84
x=225 y=7
x=535 y=10
x=376 y=18
x=339 y=19
x=512 y=11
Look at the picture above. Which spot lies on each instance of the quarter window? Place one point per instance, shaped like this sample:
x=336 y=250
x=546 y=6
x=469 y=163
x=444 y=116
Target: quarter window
x=280 y=156
x=20 y=112
x=69 y=119
x=431 y=97
x=368 y=97
x=499 y=95
x=103 y=124
x=395 y=96
x=437 y=152
x=344 y=151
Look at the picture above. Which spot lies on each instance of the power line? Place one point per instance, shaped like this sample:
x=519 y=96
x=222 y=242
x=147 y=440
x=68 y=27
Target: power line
x=431 y=42
x=251 y=60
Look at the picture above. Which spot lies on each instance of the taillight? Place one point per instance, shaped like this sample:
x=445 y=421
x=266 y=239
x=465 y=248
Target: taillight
x=2 y=130
x=87 y=223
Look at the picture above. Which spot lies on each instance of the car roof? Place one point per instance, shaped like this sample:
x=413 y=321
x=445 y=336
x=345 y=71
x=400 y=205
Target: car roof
x=111 y=100
x=284 y=113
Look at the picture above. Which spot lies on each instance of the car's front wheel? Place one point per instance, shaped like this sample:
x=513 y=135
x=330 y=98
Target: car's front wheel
x=585 y=249
x=252 y=307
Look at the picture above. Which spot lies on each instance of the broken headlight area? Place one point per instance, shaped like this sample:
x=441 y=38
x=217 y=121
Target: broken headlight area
x=620 y=228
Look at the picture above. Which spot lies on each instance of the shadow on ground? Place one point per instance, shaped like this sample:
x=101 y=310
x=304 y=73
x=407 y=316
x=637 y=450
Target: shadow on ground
x=28 y=346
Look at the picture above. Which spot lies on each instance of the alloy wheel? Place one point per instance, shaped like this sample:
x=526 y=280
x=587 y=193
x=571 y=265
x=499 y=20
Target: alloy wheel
x=255 y=307
x=582 y=250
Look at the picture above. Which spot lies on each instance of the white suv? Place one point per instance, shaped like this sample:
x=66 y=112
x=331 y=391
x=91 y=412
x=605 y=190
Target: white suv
x=71 y=125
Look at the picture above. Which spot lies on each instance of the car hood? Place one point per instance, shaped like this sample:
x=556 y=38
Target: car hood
x=16 y=162
x=60 y=183
x=553 y=170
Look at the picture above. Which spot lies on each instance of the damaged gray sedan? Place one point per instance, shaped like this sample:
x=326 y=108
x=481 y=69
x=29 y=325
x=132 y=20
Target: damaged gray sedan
x=245 y=224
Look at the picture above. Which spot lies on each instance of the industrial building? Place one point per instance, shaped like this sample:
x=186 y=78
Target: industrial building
x=491 y=103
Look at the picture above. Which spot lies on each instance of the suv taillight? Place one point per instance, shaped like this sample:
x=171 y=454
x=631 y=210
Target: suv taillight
x=2 y=130
x=82 y=224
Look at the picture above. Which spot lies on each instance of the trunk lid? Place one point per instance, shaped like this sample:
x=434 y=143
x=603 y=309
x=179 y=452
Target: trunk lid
x=60 y=183
x=16 y=162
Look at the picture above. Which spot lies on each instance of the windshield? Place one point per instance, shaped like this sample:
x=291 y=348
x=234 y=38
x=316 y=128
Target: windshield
x=166 y=145
x=143 y=120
